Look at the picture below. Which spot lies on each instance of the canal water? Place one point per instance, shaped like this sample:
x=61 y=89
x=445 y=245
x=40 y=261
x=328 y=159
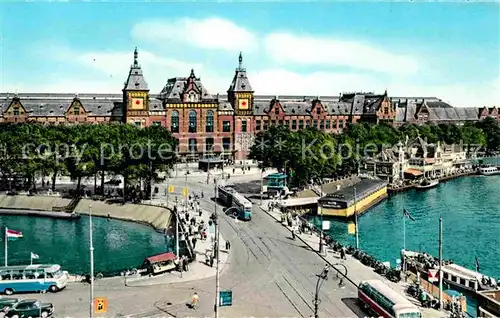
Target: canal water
x=470 y=207
x=118 y=245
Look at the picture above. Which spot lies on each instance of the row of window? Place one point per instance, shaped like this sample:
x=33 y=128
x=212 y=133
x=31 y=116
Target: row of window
x=277 y=110
x=16 y=110
x=209 y=144
x=209 y=122
x=320 y=124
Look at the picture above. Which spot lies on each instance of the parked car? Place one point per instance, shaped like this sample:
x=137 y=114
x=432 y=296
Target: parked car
x=30 y=308
x=6 y=303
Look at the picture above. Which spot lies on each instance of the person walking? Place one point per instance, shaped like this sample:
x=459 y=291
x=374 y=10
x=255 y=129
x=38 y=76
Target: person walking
x=342 y=253
x=195 y=301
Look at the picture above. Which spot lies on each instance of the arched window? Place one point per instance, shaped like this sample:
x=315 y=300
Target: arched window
x=210 y=121
x=192 y=121
x=16 y=111
x=76 y=109
x=174 y=122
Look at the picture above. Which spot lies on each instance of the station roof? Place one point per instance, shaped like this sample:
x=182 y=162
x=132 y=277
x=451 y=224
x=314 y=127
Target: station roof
x=363 y=188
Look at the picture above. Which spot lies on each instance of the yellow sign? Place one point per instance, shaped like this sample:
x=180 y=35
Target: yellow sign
x=351 y=228
x=137 y=103
x=185 y=192
x=243 y=103
x=100 y=305
x=171 y=189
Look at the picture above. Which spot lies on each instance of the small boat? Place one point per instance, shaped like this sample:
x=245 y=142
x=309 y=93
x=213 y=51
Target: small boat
x=426 y=184
x=453 y=274
x=488 y=171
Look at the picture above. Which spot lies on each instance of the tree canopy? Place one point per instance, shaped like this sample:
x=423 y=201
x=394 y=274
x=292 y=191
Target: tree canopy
x=310 y=154
x=31 y=150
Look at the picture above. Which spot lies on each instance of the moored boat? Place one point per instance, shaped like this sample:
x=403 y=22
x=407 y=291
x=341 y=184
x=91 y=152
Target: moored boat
x=488 y=171
x=453 y=274
x=426 y=184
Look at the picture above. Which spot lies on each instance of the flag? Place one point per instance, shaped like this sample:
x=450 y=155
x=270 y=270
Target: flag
x=12 y=235
x=477 y=265
x=408 y=215
x=34 y=256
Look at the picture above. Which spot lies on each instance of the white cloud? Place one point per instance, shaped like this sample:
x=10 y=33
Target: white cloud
x=283 y=82
x=288 y=48
x=211 y=33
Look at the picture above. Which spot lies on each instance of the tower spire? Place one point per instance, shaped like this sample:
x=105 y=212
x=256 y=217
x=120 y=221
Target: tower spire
x=240 y=61
x=136 y=54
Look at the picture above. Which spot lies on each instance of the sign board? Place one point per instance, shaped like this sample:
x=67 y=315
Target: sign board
x=184 y=192
x=225 y=298
x=100 y=305
x=326 y=225
x=351 y=228
x=432 y=275
x=171 y=189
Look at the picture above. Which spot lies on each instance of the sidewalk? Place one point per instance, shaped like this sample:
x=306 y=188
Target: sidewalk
x=198 y=268
x=356 y=271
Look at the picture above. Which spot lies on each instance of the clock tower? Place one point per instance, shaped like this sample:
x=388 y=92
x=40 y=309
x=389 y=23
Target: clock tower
x=240 y=95
x=136 y=96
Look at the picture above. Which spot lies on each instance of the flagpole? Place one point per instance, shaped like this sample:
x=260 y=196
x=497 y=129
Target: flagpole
x=404 y=244
x=6 y=247
x=31 y=260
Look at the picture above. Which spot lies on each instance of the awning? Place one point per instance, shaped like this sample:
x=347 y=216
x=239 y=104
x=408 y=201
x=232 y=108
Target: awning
x=161 y=257
x=414 y=172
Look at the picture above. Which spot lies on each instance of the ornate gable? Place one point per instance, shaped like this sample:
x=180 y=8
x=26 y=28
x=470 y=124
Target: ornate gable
x=15 y=108
x=192 y=92
x=484 y=112
x=275 y=108
x=422 y=112
x=75 y=108
x=317 y=108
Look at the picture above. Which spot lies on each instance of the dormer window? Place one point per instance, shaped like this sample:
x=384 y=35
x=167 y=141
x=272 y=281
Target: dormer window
x=318 y=110
x=76 y=110
x=16 y=110
x=276 y=110
x=192 y=97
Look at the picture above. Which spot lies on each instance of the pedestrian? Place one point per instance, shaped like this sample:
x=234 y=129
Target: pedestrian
x=194 y=242
x=211 y=260
x=342 y=253
x=228 y=245
x=196 y=299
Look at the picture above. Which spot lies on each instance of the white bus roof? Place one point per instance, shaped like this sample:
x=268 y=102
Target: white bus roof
x=390 y=293
x=241 y=199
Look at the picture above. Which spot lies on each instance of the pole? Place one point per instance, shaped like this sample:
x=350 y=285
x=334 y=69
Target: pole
x=261 y=183
x=91 y=244
x=356 y=219
x=404 y=245
x=6 y=246
x=217 y=233
x=321 y=220
x=168 y=188
x=440 y=262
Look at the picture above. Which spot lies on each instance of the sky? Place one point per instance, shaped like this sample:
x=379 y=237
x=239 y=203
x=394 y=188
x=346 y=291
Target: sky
x=421 y=49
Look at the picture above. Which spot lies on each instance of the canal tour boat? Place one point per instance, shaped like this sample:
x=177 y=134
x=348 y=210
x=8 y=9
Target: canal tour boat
x=453 y=274
x=426 y=184
x=488 y=171
x=159 y=263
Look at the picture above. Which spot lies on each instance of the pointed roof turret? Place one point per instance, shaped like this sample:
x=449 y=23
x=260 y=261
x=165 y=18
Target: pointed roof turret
x=135 y=80
x=240 y=82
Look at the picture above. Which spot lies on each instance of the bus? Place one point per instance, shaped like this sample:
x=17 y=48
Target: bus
x=384 y=301
x=243 y=207
x=225 y=195
x=32 y=278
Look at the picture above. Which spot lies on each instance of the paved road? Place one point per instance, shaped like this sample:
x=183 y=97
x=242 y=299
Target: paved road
x=269 y=274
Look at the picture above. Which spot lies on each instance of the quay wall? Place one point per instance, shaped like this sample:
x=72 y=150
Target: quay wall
x=157 y=217
x=40 y=203
x=361 y=205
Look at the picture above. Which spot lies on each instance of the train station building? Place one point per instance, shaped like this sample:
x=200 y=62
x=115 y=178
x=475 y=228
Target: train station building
x=225 y=124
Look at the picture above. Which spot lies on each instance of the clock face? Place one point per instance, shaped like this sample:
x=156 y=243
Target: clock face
x=137 y=103
x=243 y=103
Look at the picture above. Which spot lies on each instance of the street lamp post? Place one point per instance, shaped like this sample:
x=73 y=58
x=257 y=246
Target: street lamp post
x=321 y=278
x=91 y=246
x=356 y=218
